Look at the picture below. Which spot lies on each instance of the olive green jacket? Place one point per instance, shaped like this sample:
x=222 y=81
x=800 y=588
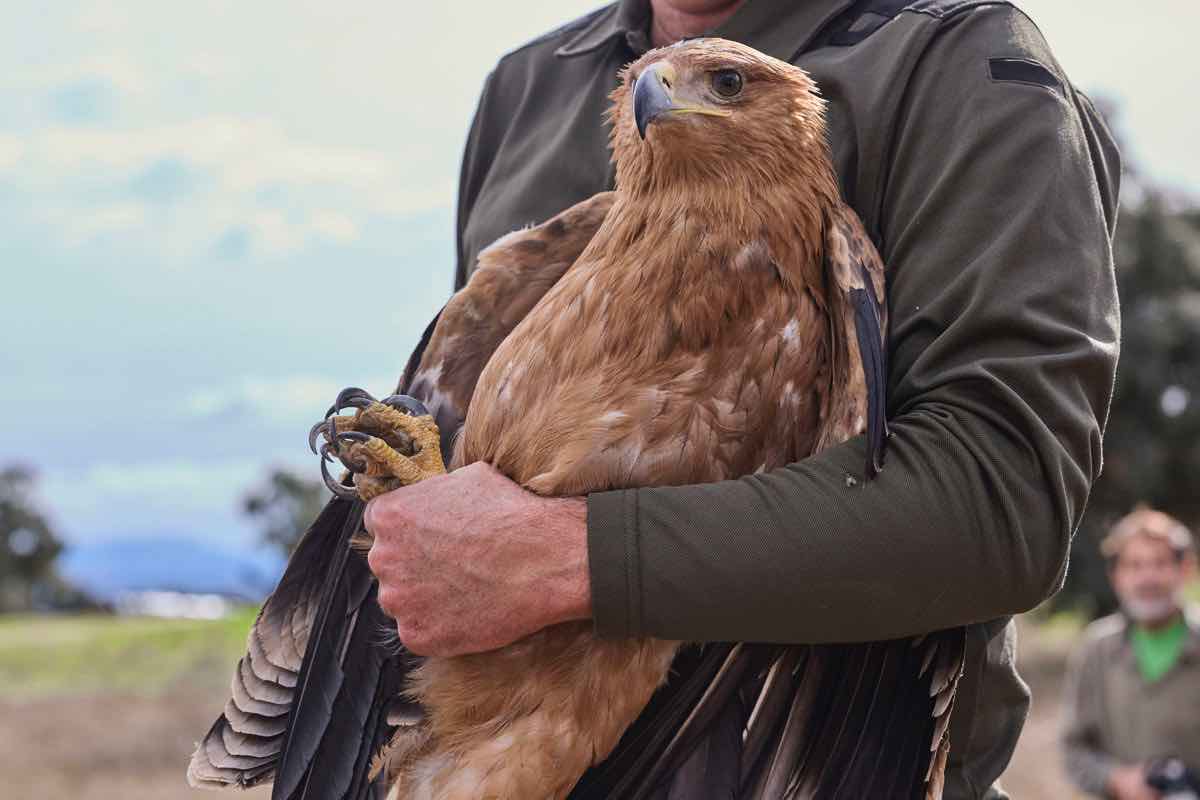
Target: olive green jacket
x=989 y=184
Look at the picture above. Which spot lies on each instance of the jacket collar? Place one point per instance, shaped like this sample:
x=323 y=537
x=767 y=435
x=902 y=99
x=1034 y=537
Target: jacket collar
x=779 y=28
x=1191 y=647
x=1191 y=615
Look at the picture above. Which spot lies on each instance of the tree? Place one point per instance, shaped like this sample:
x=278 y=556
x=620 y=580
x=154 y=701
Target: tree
x=28 y=545
x=285 y=506
x=1152 y=444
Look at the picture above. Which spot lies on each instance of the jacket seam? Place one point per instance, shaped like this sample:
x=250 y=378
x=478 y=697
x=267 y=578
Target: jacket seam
x=930 y=10
x=942 y=17
x=560 y=32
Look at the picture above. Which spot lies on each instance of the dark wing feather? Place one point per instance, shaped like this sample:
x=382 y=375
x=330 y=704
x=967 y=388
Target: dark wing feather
x=637 y=767
x=310 y=697
x=820 y=722
x=263 y=684
x=858 y=318
x=321 y=675
x=343 y=752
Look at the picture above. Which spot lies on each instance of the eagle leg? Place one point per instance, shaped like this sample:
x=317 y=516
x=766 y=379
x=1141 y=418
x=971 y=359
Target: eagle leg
x=384 y=445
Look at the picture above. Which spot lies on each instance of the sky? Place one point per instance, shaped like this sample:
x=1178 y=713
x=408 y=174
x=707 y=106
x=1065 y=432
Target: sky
x=213 y=216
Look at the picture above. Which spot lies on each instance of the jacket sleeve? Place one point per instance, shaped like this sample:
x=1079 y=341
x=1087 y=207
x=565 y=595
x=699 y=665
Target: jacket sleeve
x=1087 y=764
x=997 y=215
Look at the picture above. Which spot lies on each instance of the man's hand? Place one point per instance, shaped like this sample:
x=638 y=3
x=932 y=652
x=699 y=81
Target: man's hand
x=1129 y=783
x=470 y=561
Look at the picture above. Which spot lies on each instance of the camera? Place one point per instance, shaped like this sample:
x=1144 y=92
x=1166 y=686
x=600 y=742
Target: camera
x=1171 y=777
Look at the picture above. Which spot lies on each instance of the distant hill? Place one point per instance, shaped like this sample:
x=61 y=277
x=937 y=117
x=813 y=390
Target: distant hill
x=107 y=569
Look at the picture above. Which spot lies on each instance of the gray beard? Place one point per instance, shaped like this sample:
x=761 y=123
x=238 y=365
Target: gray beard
x=1140 y=610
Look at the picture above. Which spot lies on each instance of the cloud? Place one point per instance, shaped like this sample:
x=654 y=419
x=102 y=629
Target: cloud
x=234 y=244
x=288 y=401
x=86 y=101
x=102 y=18
x=164 y=181
x=108 y=219
x=169 y=496
x=245 y=153
x=242 y=184
x=12 y=149
x=115 y=71
x=335 y=226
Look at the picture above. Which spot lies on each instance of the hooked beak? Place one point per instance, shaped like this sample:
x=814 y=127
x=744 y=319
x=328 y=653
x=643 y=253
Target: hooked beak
x=652 y=95
x=657 y=92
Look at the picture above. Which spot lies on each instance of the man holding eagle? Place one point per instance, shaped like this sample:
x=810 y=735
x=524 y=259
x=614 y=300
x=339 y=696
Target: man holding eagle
x=988 y=185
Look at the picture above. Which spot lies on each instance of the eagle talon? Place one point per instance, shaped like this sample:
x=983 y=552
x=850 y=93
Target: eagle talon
x=409 y=405
x=351 y=397
x=385 y=444
x=338 y=488
x=315 y=432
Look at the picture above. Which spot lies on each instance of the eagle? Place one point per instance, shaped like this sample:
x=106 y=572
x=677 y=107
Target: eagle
x=721 y=312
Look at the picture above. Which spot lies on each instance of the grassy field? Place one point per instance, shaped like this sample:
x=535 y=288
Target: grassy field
x=104 y=708
x=54 y=656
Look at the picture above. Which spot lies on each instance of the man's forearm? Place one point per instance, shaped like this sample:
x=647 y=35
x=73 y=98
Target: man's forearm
x=956 y=529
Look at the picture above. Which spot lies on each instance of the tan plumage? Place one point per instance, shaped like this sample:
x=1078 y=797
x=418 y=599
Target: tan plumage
x=691 y=341
x=696 y=324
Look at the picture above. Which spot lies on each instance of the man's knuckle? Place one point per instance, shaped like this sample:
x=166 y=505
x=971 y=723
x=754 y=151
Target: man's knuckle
x=389 y=600
x=375 y=560
x=415 y=638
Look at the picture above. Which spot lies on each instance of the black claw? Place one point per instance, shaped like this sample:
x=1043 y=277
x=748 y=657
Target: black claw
x=351 y=436
x=335 y=486
x=314 y=432
x=409 y=405
x=352 y=397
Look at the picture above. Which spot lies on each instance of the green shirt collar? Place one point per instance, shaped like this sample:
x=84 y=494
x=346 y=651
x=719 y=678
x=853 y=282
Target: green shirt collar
x=776 y=27
x=1158 y=651
x=1191 y=646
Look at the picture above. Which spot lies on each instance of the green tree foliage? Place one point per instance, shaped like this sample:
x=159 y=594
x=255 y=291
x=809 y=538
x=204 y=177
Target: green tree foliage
x=284 y=506
x=1152 y=446
x=28 y=545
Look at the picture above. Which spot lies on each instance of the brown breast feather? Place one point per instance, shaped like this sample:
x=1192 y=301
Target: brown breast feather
x=635 y=371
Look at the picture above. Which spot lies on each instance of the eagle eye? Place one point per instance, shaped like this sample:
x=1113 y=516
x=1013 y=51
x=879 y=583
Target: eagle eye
x=727 y=82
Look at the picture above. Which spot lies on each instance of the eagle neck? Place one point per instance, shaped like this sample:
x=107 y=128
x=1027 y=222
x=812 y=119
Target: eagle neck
x=700 y=228
x=699 y=261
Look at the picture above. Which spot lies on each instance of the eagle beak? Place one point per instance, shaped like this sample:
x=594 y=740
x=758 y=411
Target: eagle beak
x=652 y=95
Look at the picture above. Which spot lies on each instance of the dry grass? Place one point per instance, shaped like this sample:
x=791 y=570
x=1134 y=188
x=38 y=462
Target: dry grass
x=87 y=732
x=103 y=708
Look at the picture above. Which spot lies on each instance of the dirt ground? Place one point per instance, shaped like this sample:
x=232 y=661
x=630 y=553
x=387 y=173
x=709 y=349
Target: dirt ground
x=126 y=746
x=104 y=747
x=1036 y=769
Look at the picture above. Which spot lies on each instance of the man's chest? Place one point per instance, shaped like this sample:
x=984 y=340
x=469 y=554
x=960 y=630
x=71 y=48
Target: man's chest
x=1150 y=720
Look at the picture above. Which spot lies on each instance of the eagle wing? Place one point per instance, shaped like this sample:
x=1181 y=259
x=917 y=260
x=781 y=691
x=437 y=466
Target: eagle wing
x=311 y=699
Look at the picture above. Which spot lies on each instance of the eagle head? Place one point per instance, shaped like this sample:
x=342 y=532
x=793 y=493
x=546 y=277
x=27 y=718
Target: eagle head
x=718 y=110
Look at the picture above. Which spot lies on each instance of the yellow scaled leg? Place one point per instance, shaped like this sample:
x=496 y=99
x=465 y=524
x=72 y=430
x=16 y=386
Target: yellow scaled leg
x=385 y=445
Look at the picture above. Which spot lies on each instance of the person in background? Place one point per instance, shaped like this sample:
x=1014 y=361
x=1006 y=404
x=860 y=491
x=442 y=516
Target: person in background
x=1133 y=696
